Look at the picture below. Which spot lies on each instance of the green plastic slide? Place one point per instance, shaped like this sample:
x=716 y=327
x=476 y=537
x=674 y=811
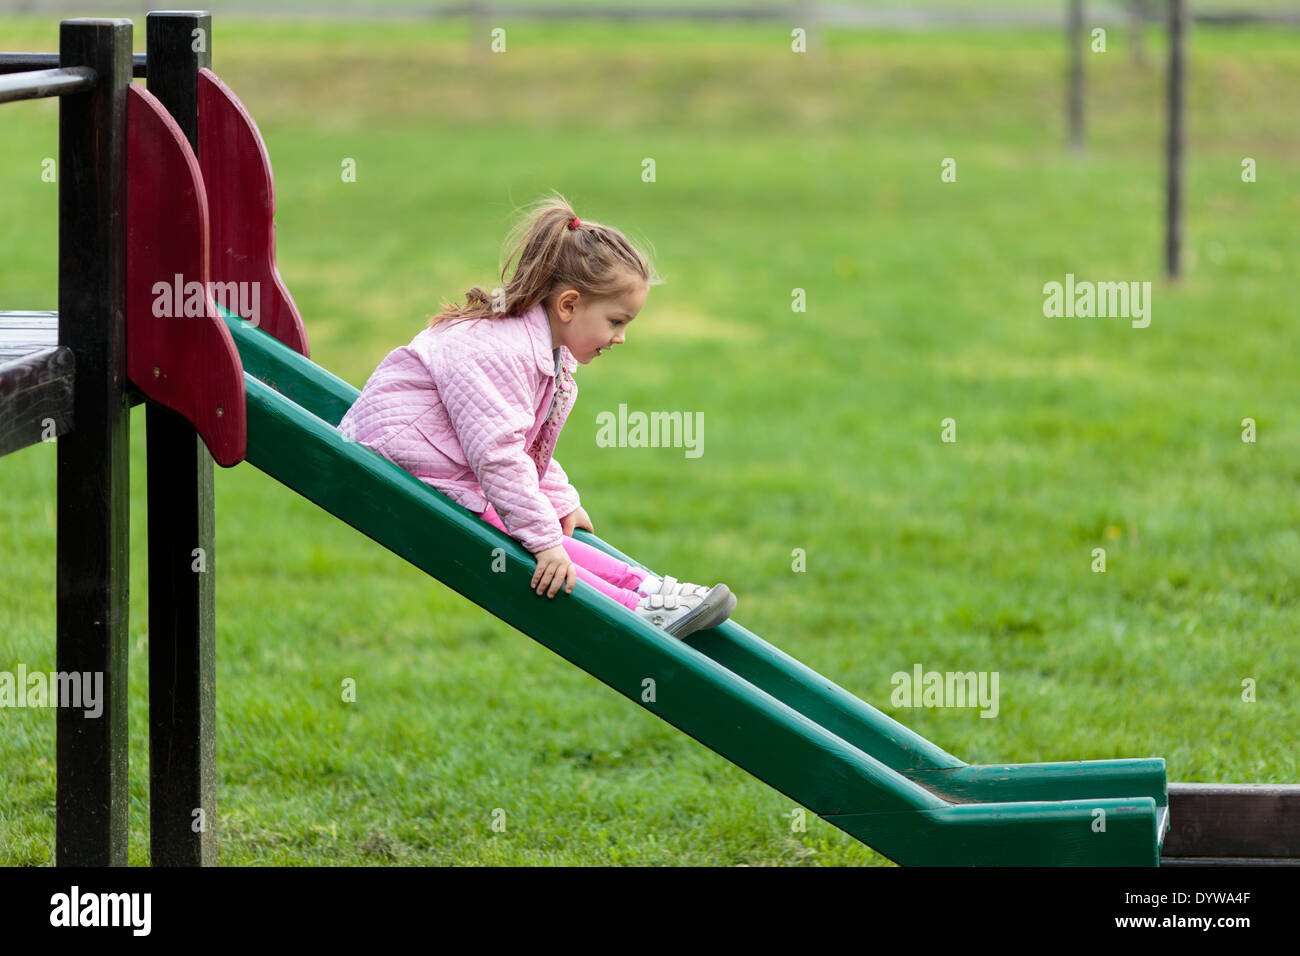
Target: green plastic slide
x=733 y=692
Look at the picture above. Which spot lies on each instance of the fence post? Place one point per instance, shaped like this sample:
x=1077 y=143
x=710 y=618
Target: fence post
x=1074 y=38
x=1137 y=19
x=182 y=573
x=91 y=792
x=1174 y=141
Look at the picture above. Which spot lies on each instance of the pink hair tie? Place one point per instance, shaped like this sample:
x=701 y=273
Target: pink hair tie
x=574 y=225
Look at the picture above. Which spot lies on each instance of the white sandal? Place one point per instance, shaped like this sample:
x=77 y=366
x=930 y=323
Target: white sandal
x=681 y=614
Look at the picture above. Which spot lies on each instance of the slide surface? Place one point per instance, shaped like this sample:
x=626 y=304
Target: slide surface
x=733 y=692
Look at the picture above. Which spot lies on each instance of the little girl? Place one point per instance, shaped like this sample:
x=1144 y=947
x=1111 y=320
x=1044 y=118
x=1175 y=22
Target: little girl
x=474 y=408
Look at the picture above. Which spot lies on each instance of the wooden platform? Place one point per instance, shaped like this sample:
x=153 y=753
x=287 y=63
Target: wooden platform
x=36 y=380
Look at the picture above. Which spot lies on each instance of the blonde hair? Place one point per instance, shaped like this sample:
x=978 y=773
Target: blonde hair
x=594 y=259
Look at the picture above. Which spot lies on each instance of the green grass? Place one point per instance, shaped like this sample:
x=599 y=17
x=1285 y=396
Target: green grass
x=421 y=8
x=822 y=428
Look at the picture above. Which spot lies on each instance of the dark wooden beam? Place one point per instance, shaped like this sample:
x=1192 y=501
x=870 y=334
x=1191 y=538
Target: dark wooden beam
x=1224 y=821
x=94 y=460
x=182 y=521
x=36 y=397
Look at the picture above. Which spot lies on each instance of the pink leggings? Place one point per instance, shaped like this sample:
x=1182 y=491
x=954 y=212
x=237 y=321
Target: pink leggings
x=605 y=573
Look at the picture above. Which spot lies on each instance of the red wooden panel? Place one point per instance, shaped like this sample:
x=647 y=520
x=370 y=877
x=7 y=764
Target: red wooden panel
x=241 y=201
x=178 y=350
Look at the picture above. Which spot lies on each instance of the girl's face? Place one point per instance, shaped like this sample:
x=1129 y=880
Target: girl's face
x=590 y=327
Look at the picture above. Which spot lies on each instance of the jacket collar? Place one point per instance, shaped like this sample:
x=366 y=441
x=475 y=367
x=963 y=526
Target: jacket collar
x=539 y=332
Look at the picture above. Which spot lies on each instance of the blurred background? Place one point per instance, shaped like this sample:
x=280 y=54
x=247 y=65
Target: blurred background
x=775 y=168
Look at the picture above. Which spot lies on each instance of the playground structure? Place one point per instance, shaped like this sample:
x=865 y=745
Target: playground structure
x=175 y=181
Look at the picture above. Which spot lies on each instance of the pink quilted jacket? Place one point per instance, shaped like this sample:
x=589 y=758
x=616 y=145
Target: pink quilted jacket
x=474 y=409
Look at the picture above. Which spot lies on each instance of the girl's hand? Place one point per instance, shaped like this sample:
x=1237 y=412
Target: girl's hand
x=554 y=570
x=576 y=519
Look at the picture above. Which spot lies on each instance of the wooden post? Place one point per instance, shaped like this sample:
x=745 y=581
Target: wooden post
x=1137 y=19
x=480 y=30
x=182 y=573
x=1074 y=38
x=94 y=459
x=1174 y=141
